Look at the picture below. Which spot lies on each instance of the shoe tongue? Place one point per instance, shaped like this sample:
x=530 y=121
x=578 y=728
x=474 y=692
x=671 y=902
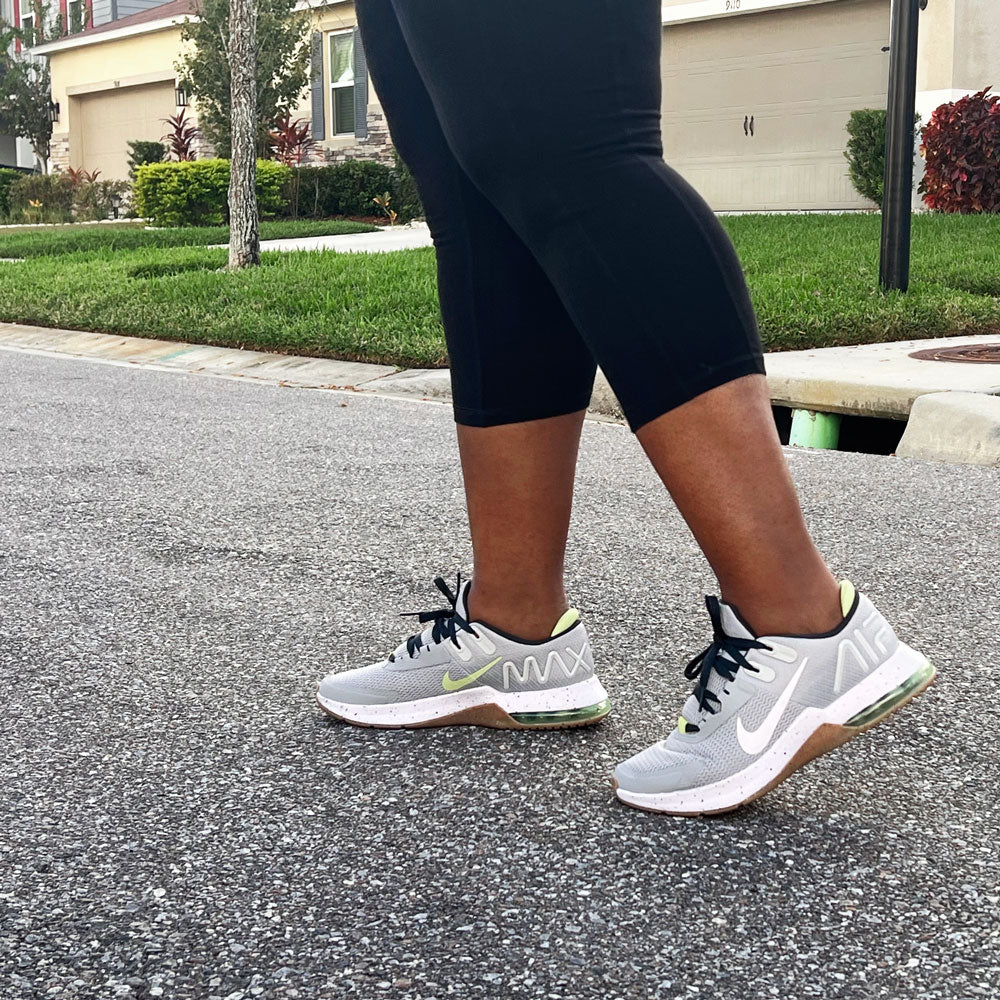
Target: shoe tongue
x=462 y=604
x=732 y=624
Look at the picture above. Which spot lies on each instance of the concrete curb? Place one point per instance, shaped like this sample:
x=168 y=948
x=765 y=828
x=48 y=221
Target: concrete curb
x=226 y=362
x=170 y=355
x=953 y=426
x=875 y=380
x=961 y=427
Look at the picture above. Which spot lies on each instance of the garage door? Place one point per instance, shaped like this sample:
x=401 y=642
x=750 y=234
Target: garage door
x=107 y=121
x=798 y=74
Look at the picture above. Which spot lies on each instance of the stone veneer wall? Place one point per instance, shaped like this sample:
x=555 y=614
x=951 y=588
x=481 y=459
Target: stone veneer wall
x=377 y=145
x=59 y=152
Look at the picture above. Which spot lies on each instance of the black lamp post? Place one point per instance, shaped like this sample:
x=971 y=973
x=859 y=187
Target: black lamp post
x=897 y=198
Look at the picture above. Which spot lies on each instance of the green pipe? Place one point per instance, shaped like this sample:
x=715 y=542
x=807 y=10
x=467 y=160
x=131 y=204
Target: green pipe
x=815 y=430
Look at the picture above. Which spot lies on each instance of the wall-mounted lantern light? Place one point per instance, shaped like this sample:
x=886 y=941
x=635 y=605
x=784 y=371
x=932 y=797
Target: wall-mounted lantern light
x=53 y=111
x=180 y=97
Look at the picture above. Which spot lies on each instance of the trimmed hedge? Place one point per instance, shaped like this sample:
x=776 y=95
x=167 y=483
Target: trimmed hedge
x=866 y=152
x=338 y=188
x=41 y=198
x=348 y=188
x=196 y=192
x=405 y=196
x=8 y=176
x=141 y=152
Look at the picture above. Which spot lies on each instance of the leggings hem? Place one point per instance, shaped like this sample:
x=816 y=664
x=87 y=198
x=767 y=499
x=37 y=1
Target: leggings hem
x=470 y=416
x=751 y=364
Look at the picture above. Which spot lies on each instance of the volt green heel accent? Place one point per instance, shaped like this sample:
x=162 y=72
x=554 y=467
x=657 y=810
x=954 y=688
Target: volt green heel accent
x=570 y=617
x=847 y=593
x=887 y=704
x=565 y=717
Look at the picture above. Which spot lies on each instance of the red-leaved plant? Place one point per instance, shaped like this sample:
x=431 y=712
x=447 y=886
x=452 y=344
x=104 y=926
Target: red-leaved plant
x=181 y=138
x=78 y=176
x=290 y=140
x=961 y=143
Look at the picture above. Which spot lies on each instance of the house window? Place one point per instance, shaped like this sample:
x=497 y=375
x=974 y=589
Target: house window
x=342 y=82
x=28 y=29
x=75 y=11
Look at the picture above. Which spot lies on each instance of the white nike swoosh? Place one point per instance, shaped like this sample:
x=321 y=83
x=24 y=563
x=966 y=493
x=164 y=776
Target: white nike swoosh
x=754 y=742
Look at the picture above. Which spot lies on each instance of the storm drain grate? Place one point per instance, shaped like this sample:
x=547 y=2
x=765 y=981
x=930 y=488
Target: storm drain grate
x=982 y=354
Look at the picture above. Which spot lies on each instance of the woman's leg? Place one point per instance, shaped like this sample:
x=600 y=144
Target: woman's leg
x=553 y=110
x=720 y=458
x=521 y=374
x=519 y=490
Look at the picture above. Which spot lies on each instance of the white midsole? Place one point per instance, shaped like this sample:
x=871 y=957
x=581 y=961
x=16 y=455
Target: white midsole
x=730 y=792
x=583 y=694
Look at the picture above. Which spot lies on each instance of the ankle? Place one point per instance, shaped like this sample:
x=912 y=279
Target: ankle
x=812 y=609
x=527 y=616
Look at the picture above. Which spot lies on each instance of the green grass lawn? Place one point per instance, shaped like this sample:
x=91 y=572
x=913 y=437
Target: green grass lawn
x=24 y=241
x=813 y=280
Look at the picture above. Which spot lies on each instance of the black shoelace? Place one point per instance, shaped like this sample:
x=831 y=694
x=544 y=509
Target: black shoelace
x=711 y=658
x=447 y=621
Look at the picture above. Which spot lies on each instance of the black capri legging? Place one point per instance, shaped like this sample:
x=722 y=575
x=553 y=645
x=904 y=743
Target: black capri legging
x=563 y=240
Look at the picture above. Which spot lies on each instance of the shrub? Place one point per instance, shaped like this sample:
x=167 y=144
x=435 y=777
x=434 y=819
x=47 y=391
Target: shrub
x=95 y=199
x=866 y=152
x=340 y=188
x=8 y=176
x=41 y=198
x=141 y=151
x=961 y=143
x=196 y=192
x=405 y=196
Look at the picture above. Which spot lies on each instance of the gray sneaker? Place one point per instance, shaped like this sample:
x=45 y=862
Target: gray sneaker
x=459 y=672
x=766 y=705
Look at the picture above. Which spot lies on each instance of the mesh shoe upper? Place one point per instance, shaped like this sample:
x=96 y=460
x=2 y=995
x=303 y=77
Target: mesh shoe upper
x=718 y=738
x=436 y=662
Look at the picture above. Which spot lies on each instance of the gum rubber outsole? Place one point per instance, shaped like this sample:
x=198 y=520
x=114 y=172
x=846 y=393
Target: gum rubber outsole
x=494 y=717
x=824 y=739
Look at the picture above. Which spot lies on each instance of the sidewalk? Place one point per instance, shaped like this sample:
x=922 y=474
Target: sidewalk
x=402 y=237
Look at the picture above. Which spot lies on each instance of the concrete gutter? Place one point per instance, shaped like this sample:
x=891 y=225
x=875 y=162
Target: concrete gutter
x=172 y=355
x=878 y=380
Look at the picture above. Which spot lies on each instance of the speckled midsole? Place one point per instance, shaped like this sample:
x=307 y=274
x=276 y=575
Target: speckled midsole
x=533 y=706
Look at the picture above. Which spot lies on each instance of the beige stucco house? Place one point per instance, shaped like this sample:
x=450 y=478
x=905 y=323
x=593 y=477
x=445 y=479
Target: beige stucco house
x=118 y=82
x=756 y=93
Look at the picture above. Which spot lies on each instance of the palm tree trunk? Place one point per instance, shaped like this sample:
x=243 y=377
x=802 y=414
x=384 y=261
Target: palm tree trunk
x=244 y=229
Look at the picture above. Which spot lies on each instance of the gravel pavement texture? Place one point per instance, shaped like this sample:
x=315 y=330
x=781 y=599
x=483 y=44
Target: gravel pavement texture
x=182 y=558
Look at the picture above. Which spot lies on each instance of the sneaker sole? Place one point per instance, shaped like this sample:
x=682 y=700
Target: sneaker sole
x=583 y=704
x=794 y=750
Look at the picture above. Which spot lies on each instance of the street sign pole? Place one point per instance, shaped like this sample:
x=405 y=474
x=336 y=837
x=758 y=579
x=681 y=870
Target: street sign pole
x=897 y=199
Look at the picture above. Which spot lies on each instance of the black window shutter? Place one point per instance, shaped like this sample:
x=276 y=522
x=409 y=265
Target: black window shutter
x=360 y=88
x=318 y=88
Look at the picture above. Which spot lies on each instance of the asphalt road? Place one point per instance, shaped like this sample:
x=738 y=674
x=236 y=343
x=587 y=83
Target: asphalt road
x=182 y=557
